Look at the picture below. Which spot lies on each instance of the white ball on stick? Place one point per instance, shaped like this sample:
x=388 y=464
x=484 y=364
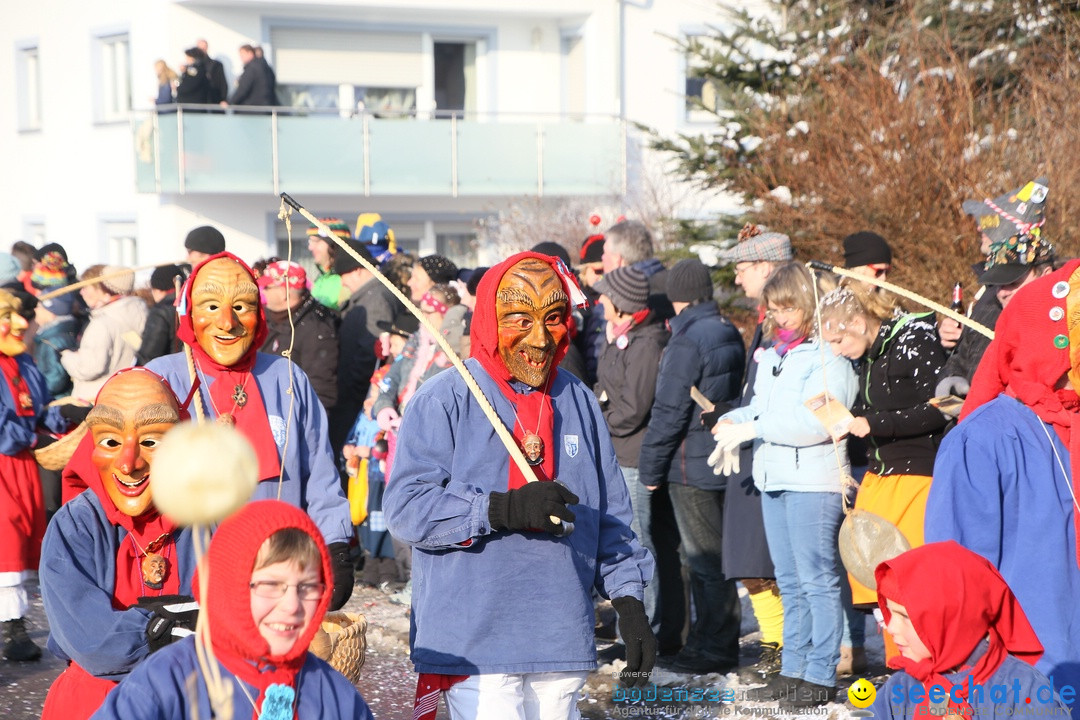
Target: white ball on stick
x=203 y=473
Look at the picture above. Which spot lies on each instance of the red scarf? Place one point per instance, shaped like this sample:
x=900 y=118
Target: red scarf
x=21 y=399
x=231 y=558
x=955 y=599
x=535 y=412
x=251 y=419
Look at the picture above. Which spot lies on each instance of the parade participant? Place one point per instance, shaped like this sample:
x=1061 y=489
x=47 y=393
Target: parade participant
x=482 y=535
x=1005 y=477
x=269 y=593
x=268 y=398
x=963 y=638
x=24 y=410
x=327 y=288
x=110 y=562
x=202 y=242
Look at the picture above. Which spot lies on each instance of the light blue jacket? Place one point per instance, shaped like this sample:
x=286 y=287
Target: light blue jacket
x=792 y=449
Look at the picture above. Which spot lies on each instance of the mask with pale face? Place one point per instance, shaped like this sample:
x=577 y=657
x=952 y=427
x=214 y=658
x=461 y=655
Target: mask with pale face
x=224 y=310
x=12 y=325
x=531 y=308
x=133 y=411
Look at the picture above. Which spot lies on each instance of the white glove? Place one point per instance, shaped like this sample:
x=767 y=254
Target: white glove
x=731 y=461
x=733 y=435
x=953 y=385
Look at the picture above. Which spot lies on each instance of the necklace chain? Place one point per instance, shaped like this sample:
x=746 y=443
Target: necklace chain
x=238 y=392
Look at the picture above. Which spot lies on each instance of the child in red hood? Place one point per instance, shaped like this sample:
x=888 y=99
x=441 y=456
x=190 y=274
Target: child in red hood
x=966 y=647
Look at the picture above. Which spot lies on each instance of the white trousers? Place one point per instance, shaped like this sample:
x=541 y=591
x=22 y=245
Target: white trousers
x=14 y=601
x=528 y=696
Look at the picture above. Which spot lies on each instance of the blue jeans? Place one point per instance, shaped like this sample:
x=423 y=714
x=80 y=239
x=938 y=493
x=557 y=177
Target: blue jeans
x=717 y=612
x=802 y=528
x=654 y=524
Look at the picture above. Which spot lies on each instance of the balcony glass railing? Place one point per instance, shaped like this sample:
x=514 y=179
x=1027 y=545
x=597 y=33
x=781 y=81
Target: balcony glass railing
x=190 y=150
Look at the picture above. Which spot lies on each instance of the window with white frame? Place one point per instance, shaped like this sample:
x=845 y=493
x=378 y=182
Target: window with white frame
x=28 y=86
x=113 y=59
x=702 y=98
x=34 y=232
x=121 y=243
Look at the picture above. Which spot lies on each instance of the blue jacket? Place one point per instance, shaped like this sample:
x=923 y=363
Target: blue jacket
x=792 y=449
x=18 y=433
x=158 y=690
x=1004 y=694
x=311 y=480
x=506 y=602
x=998 y=490
x=49 y=342
x=78 y=578
x=707 y=351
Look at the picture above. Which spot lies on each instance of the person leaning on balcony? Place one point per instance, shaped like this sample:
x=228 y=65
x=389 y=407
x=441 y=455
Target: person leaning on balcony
x=194 y=87
x=109 y=342
x=256 y=83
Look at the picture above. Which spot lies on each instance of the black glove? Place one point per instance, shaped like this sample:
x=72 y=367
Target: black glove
x=172 y=618
x=709 y=417
x=44 y=440
x=639 y=640
x=344 y=574
x=530 y=507
x=75 y=414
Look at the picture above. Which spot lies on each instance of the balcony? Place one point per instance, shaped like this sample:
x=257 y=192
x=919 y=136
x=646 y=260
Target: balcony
x=187 y=150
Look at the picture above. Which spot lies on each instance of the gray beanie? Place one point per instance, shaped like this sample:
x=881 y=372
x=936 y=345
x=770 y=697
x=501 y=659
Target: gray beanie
x=121 y=283
x=627 y=287
x=689 y=281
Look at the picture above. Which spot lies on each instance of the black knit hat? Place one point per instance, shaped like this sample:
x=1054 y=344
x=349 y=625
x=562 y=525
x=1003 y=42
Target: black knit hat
x=162 y=277
x=474 y=279
x=592 y=250
x=438 y=268
x=627 y=287
x=866 y=248
x=689 y=281
x=346 y=263
x=205 y=239
x=554 y=249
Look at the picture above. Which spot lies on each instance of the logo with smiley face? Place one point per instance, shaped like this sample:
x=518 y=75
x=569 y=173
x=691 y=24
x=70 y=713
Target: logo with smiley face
x=861 y=694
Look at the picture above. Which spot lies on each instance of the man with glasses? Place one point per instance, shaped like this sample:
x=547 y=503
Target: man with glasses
x=745 y=549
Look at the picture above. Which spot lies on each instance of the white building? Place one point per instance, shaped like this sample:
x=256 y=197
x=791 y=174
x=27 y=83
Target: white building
x=433 y=112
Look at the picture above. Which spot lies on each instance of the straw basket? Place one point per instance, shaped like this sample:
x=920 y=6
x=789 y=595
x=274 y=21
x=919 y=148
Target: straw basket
x=342 y=642
x=57 y=455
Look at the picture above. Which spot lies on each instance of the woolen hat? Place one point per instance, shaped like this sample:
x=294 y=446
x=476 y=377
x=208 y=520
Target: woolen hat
x=121 y=283
x=50 y=248
x=346 y=263
x=1020 y=212
x=592 y=250
x=49 y=272
x=59 y=305
x=336 y=225
x=866 y=248
x=438 y=268
x=627 y=287
x=205 y=239
x=162 y=278
x=771 y=246
x=281 y=273
x=689 y=281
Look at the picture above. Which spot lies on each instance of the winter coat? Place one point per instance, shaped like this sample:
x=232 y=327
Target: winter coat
x=792 y=449
x=626 y=383
x=159 y=335
x=255 y=86
x=896 y=379
x=315 y=347
x=194 y=86
x=706 y=351
x=105 y=346
x=49 y=341
x=969 y=350
x=360 y=318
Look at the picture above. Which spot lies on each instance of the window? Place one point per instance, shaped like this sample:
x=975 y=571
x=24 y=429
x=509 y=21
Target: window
x=34 y=232
x=702 y=98
x=121 y=243
x=113 y=82
x=28 y=67
x=573 y=75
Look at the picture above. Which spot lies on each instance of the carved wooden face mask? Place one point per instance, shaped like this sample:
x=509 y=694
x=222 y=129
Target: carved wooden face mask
x=133 y=411
x=531 y=307
x=12 y=325
x=224 y=310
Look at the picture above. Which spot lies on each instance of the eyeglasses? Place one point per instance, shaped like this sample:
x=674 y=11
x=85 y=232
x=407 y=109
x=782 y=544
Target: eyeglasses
x=275 y=590
x=786 y=312
x=740 y=270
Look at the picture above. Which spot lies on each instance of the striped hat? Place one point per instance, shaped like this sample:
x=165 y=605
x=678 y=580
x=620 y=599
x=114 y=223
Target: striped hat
x=627 y=287
x=336 y=225
x=50 y=272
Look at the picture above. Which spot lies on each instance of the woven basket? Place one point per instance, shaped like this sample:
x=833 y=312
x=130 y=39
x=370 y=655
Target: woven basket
x=342 y=642
x=57 y=455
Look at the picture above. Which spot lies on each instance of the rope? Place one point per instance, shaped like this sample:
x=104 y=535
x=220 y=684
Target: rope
x=285 y=214
x=504 y=435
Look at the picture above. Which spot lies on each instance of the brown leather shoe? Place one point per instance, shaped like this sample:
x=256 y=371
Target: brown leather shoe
x=852 y=661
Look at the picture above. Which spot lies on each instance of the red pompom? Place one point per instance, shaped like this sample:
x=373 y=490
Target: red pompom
x=594 y=219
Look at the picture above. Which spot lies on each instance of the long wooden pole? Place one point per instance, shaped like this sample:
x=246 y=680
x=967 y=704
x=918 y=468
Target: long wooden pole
x=496 y=422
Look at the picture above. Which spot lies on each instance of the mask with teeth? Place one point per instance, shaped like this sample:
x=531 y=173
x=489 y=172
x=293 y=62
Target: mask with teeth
x=133 y=411
x=531 y=309
x=224 y=310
